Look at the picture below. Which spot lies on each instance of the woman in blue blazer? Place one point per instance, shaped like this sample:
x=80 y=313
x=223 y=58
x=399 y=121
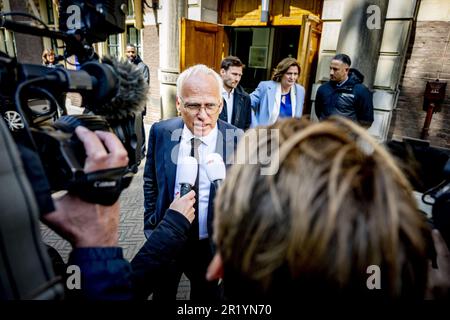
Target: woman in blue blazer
x=279 y=97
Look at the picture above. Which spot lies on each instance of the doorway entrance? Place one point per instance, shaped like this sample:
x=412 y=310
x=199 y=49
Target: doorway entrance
x=261 y=49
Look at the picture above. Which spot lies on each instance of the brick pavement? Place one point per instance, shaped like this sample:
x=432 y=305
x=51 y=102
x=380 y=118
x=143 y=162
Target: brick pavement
x=131 y=235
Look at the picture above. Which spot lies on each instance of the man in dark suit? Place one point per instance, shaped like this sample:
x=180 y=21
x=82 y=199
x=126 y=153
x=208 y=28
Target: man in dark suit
x=237 y=104
x=197 y=133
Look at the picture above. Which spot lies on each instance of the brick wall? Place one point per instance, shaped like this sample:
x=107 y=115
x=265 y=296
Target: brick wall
x=428 y=59
x=150 y=42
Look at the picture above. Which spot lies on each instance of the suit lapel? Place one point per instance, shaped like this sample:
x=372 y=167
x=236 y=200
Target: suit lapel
x=220 y=143
x=294 y=100
x=274 y=103
x=172 y=137
x=237 y=106
x=225 y=142
x=224 y=114
x=209 y=222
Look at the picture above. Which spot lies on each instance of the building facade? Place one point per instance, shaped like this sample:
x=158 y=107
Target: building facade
x=399 y=46
x=428 y=59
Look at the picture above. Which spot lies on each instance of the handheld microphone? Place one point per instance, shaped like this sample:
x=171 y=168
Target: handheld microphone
x=188 y=174
x=215 y=169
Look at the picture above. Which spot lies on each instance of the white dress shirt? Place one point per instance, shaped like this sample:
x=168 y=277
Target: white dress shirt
x=229 y=99
x=207 y=146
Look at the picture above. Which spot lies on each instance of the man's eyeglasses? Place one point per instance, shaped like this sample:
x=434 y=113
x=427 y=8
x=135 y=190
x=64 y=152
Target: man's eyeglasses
x=194 y=108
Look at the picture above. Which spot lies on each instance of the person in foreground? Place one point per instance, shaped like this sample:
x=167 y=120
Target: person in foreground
x=92 y=230
x=336 y=220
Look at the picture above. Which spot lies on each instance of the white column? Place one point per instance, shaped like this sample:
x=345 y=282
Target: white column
x=169 y=60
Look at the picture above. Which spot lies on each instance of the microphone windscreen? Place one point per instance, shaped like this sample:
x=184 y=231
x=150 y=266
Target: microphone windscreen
x=188 y=170
x=132 y=94
x=215 y=167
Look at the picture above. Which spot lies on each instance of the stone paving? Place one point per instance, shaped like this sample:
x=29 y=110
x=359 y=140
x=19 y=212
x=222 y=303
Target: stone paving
x=131 y=228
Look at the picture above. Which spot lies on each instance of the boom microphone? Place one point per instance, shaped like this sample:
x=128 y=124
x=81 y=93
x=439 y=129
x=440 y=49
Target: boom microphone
x=124 y=110
x=215 y=169
x=118 y=95
x=188 y=174
x=114 y=89
x=131 y=95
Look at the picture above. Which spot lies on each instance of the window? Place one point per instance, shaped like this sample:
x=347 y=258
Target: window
x=7 y=42
x=114 y=45
x=50 y=16
x=51 y=19
x=134 y=37
x=130 y=9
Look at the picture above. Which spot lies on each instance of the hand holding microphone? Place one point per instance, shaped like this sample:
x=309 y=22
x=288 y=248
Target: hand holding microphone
x=215 y=169
x=185 y=205
x=184 y=202
x=188 y=174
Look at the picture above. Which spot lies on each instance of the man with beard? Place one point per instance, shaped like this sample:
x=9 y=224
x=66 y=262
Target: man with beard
x=133 y=57
x=237 y=104
x=345 y=95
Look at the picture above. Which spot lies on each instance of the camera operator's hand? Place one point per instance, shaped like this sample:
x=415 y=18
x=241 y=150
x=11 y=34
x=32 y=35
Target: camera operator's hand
x=185 y=205
x=439 y=279
x=85 y=224
x=98 y=158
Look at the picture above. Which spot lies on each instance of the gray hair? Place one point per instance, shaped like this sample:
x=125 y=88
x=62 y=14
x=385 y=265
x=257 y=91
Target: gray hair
x=194 y=71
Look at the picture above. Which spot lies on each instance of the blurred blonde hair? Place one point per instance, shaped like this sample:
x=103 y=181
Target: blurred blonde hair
x=45 y=55
x=337 y=204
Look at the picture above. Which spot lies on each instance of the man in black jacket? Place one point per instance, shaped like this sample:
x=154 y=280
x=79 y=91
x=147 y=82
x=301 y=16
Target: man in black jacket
x=237 y=104
x=133 y=57
x=345 y=95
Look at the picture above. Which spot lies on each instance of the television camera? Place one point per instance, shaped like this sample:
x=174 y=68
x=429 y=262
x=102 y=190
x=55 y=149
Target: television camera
x=113 y=94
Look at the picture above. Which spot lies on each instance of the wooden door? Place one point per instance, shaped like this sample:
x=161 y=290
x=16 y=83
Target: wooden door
x=308 y=48
x=202 y=42
x=281 y=12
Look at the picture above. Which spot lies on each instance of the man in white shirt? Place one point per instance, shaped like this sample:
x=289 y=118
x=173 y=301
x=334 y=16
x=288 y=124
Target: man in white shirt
x=237 y=105
x=197 y=133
